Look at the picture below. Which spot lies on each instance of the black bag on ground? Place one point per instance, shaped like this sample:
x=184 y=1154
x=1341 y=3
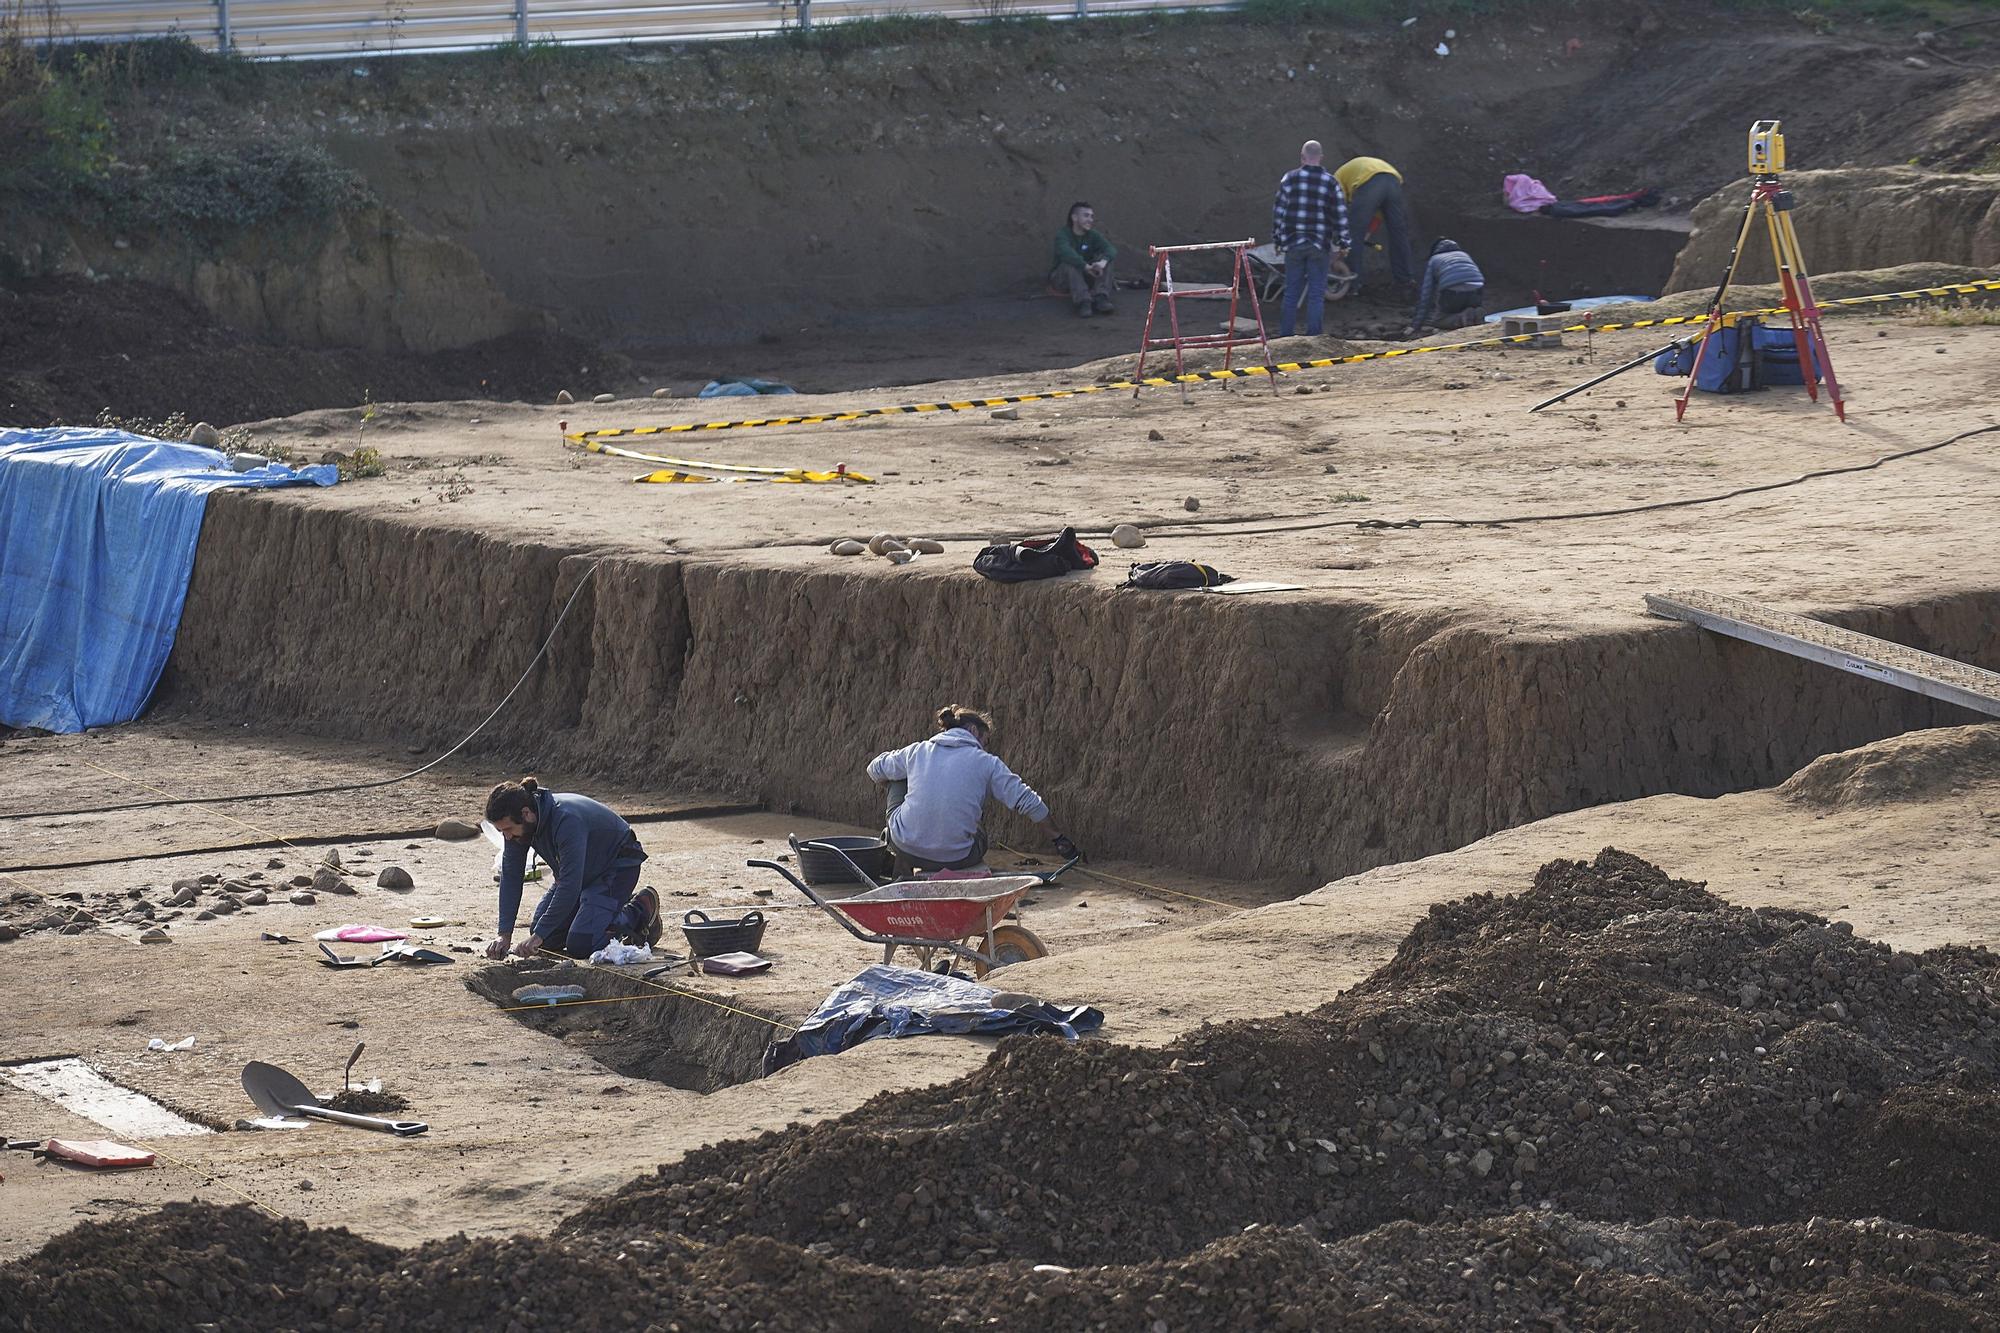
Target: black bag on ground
x=1047 y=558
x=1175 y=574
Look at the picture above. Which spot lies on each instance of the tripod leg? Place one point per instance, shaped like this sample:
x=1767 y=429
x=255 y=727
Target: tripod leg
x=1784 y=245
x=1812 y=339
x=1714 y=321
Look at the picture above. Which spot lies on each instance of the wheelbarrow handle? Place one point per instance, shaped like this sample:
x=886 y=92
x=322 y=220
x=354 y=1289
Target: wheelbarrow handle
x=842 y=854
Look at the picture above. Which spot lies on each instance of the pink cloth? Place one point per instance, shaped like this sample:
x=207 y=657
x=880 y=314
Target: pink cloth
x=1525 y=194
x=361 y=934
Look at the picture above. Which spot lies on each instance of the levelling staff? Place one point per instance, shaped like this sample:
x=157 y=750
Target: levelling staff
x=596 y=859
x=938 y=791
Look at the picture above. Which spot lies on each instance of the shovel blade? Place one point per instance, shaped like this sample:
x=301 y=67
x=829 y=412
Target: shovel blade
x=274 y=1091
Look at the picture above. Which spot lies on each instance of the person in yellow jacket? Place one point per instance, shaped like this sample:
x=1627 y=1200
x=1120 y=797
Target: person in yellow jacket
x=1374 y=187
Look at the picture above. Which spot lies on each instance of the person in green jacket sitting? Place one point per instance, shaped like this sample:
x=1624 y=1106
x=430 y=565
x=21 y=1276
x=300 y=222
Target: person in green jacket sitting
x=1083 y=262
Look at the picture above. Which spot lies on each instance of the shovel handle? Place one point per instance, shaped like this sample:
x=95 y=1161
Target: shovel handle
x=400 y=1128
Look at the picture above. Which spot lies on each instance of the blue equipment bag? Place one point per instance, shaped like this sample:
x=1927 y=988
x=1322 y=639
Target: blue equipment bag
x=1778 y=360
x=1724 y=367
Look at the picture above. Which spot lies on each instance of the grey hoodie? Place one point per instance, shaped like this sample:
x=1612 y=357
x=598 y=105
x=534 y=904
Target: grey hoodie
x=950 y=777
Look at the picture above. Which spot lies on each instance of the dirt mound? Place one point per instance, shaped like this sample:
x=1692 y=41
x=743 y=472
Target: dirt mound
x=1610 y=1100
x=1903 y=768
x=1853 y=218
x=1613 y=1042
x=71 y=347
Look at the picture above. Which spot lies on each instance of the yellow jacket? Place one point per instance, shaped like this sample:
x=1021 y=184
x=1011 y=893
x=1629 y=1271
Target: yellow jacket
x=1356 y=171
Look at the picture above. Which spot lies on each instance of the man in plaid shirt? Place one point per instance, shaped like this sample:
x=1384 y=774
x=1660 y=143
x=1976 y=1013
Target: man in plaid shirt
x=1309 y=225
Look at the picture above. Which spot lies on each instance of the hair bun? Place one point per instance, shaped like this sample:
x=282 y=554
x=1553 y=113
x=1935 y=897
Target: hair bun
x=530 y=783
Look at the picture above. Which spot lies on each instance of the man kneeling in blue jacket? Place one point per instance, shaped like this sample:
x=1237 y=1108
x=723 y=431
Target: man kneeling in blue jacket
x=1453 y=285
x=938 y=790
x=596 y=858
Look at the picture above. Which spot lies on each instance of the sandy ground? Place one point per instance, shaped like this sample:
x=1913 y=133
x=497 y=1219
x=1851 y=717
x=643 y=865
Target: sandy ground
x=1431 y=437
x=526 y=1128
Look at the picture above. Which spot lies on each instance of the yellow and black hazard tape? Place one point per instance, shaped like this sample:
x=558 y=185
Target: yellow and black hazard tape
x=586 y=437
x=682 y=469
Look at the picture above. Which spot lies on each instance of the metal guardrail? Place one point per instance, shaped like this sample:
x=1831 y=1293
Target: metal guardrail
x=322 y=28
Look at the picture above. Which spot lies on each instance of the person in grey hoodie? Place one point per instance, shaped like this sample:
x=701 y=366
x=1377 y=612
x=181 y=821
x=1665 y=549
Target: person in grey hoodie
x=938 y=791
x=1453 y=285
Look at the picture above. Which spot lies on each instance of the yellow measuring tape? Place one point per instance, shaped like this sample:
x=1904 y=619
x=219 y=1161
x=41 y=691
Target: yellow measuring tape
x=588 y=438
x=674 y=471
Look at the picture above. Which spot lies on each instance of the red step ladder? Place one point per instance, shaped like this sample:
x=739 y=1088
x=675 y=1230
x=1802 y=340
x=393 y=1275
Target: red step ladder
x=1241 y=285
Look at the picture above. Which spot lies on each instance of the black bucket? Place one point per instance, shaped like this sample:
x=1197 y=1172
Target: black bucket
x=708 y=938
x=819 y=865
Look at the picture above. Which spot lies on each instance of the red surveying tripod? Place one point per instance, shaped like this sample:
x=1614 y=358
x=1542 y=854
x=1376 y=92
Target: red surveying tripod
x=1769 y=197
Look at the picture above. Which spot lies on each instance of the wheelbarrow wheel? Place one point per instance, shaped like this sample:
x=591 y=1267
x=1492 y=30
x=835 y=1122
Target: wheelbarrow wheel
x=1010 y=944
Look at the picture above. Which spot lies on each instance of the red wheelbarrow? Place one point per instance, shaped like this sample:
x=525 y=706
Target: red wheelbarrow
x=936 y=916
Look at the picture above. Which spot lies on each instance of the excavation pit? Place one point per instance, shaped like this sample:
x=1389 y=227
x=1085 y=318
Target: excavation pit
x=640 y=1029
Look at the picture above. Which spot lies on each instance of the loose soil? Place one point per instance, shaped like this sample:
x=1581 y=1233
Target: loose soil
x=1612 y=1098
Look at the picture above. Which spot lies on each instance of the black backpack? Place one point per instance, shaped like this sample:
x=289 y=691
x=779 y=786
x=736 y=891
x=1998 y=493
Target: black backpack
x=1043 y=558
x=1175 y=574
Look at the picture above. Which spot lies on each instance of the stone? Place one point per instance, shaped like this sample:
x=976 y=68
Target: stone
x=302 y=897
x=395 y=877
x=9 y=931
x=225 y=904
x=1749 y=993
x=565 y=396
x=899 y=556
x=1482 y=1161
x=455 y=830
x=879 y=544
x=332 y=858
x=301 y=881
x=275 y=863
x=1155 y=437
x=209 y=881
x=204 y=915
x=328 y=880
x=156 y=935
x=605 y=398
x=184 y=893
x=927 y=545
x=848 y=546
x=663 y=393
x=1127 y=537
x=1191 y=504
x=1006 y=414
x=246 y=462
x=205 y=435
x=256 y=898
x=239 y=887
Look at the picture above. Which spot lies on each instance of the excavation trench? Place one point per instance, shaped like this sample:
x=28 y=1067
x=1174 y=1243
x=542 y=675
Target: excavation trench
x=1315 y=739
x=641 y=1029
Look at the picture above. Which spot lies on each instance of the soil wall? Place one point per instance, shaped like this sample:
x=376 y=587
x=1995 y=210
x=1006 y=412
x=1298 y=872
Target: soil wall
x=1301 y=741
x=1855 y=218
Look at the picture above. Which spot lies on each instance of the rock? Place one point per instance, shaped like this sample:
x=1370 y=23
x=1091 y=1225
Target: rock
x=328 y=880
x=332 y=858
x=246 y=462
x=205 y=435
x=881 y=541
x=847 y=546
x=204 y=915
x=225 y=904
x=239 y=887
x=156 y=935
x=1302 y=388
x=900 y=557
x=395 y=877
x=1749 y=993
x=455 y=830
x=1006 y=414
x=256 y=898
x=565 y=396
x=184 y=893
x=301 y=881
x=1191 y=504
x=1482 y=1161
x=663 y=393
x=605 y=398
x=9 y=931
x=302 y=897
x=1155 y=436
x=209 y=880
x=1127 y=537
x=927 y=545
x=275 y=863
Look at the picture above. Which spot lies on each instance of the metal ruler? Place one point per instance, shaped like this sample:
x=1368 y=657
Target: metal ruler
x=1862 y=654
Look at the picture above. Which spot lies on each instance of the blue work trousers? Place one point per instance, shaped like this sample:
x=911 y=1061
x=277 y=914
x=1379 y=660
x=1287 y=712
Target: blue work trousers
x=585 y=924
x=1305 y=272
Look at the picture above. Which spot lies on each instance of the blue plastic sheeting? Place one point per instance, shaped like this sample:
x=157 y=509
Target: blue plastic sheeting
x=97 y=537
x=884 y=1001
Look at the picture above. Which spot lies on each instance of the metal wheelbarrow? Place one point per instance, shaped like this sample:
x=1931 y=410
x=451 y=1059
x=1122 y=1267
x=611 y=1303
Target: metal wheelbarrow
x=963 y=918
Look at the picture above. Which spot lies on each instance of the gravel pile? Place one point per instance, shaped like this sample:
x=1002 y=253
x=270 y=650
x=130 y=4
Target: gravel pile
x=1611 y=1101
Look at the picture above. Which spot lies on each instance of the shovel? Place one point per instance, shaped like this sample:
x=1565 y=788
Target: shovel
x=278 y=1093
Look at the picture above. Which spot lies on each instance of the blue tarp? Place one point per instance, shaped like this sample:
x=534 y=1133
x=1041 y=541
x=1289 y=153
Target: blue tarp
x=884 y=1001
x=97 y=537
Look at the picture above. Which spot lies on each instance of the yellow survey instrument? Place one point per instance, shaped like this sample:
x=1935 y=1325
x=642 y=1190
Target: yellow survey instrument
x=1767 y=149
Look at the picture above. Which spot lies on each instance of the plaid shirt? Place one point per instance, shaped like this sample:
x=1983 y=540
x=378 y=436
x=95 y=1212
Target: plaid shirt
x=1311 y=209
